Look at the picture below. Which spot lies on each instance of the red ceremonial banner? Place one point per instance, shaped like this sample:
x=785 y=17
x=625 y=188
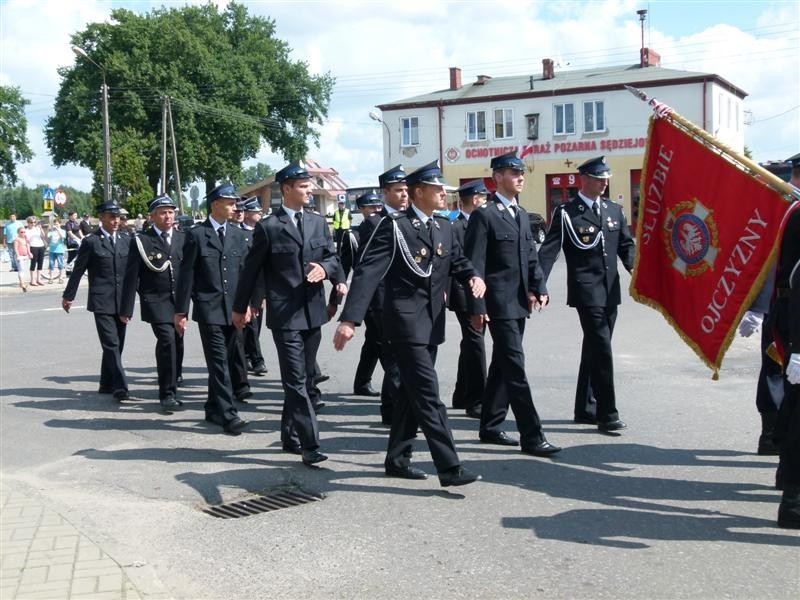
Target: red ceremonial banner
x=706 y=238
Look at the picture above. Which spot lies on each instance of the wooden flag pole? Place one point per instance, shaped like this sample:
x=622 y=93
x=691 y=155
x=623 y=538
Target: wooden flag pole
x=789 y=192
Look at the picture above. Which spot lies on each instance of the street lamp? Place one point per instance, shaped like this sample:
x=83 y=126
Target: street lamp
x=375 y=117
x=80 y=52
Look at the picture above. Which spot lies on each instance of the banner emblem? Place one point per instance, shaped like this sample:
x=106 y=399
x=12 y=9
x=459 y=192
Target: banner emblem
x=691 y=238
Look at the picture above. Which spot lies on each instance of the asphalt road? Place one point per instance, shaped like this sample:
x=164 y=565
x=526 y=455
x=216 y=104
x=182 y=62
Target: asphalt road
x=679 y=506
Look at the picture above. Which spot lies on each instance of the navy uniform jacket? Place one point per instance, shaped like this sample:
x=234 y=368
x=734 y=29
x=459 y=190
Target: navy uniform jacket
x=276 y=269
x=592 y=277
x=787 y=281
x=504 y=254
x=210 y=273
x=413 y=308
x=365 y=231
x=457 y=294
x=156 y=290
x=106 y=265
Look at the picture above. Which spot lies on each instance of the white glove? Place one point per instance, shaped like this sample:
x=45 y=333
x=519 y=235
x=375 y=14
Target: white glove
x=750 y=323
x=662 y=110
x=793 y=369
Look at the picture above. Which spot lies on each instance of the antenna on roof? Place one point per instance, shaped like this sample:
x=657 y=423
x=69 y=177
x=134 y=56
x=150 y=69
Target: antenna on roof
x=642 y=17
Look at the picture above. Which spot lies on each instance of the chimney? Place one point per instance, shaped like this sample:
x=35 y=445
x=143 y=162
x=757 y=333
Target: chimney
x=650 y=58
x=547 y=68
x=455 y=78
x=482 y=79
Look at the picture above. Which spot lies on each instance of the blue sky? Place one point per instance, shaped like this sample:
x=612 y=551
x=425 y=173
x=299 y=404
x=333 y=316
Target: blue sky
x=384 y=51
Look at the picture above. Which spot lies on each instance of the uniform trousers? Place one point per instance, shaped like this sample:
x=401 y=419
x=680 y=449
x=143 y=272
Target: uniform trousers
x=507 y=384
x=770 y=390
x=585 y=402
x=169 y=357
x=297 y=355
x=787 y=436
x=252 y=340
x=370 y=350
x=111 y=332
x=597 y=359
x=221 y=345
x=418 y=404
x=471 y=377
x=392 y=384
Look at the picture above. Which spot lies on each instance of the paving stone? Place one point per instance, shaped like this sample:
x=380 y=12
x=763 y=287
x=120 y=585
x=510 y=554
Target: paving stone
x=42 y=543
x=32 y=511
x=34 y=575
x=88 y=551
x=110 y=583
x=56 y=589
x=66 y=541
x=13 y=561
x=83 y=585
x=24 y=533
x=60 y=572
x=96 y=572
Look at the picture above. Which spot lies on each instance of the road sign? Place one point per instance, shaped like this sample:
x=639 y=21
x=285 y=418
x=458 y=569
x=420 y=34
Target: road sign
x=60 y=197
x=194 y=193
x=47 y=193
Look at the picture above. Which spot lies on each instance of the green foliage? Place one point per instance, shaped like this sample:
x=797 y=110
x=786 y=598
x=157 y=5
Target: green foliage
x=24 y=201
x=13 y=134
x=253 y=174
x=748 y=153
x=231 y=82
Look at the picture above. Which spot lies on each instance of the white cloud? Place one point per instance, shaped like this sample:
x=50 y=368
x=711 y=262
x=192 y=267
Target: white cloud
x=384 y=51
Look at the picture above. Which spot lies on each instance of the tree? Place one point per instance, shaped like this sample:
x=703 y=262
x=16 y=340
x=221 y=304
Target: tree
x=231 y=84
x=254 y=174
x=13 y=134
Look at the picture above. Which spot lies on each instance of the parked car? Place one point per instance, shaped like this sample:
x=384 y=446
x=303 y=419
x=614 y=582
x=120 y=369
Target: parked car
x=538 y=227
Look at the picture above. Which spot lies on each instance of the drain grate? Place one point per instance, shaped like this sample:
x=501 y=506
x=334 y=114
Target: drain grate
x=262 y=504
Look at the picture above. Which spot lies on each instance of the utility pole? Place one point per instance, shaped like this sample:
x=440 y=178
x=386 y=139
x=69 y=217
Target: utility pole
x=175 y=157
x=163 y=144
x=106 y=144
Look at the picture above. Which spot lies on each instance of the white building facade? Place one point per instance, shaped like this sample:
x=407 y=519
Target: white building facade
x=556 y=121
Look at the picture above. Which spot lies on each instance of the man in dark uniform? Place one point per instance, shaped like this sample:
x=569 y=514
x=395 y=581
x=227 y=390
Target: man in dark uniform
x=369 y=204
x=252 y=211
x=593 y=233
x=471 y=377
x=786 y=313
x=153 y=263
x=414 y=253
x=395 y=198
x=292 y=255
x=213 y=256
x=500 y=245
x=104 y=255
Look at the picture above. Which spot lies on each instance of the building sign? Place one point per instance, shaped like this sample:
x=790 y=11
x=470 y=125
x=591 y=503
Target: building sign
x=554 y=148
x=452 y=154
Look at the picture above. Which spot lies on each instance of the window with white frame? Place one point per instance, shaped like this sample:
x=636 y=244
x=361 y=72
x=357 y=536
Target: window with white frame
x=594 y=117
x=563 y=119
x=410 y=131
x=503 y=123
x=476 y=126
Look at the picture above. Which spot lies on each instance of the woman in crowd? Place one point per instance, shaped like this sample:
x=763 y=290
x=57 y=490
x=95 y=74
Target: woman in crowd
x=22 y=250
x=36 y=240
x=56 y=238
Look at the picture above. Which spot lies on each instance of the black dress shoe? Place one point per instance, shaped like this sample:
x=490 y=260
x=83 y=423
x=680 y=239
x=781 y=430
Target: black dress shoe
x=318 y=406
x=312 y=457
x=121 y=395
x=260 y=369
x=236 y=426
x=104 y=390
x=292 y=448
x=543 y=448
x=179 y=380
x=406 y=472
x=320 y=378
x=169 y=402
x=585 y=419
x=366 y=390
x=611 y=426
x=474 y=412
x=457 y=476
x=501 y=438
x=243 y=395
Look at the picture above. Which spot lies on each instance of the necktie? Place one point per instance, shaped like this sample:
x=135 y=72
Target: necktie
x=515 y=212
x=596 y=208
x=111 y=239
x=299 y=218
x=165 y=237
x=221 y=233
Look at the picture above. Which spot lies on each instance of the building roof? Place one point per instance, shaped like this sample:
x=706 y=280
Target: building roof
x=332 y=184
x=564 y=82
